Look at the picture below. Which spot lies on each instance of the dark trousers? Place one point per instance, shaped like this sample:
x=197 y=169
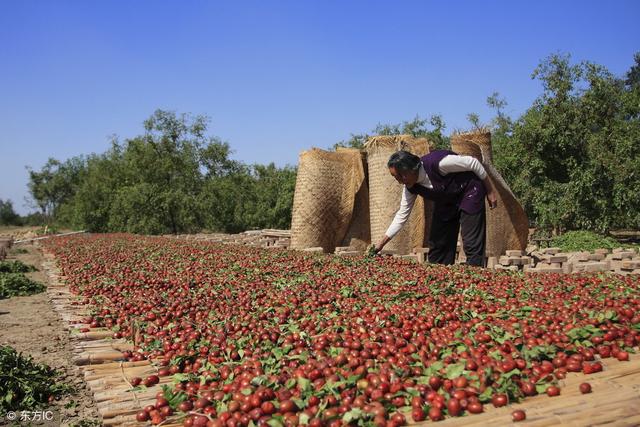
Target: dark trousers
x=443 y=238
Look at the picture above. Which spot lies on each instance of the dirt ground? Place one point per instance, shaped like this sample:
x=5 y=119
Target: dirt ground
x=31 y=326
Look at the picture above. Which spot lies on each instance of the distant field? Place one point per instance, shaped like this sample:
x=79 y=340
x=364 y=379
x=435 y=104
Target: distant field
x=13 y=229
x=22 y=232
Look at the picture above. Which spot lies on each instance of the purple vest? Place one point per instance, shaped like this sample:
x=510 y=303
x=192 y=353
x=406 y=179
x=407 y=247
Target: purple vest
x=451 y=192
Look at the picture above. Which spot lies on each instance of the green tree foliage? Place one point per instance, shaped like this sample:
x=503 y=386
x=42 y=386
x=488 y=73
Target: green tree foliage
x=250 y=198
x=274 y=196
x=162 y=178
x=573 y=157
x=633 y=75
x=93 y=203
x=474 y=119
x=7 y=215
x=226 y=199
x=172 y=179
x=582 y=240
x=501 y=132
x=55 y=184
x=431 y=128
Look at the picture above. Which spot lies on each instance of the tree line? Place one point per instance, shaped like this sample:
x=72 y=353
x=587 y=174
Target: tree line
x=572 y=159
x=172 y=179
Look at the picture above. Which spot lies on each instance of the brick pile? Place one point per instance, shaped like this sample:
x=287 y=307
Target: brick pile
x=620 y=260
x=418 y=255
x=551 y=260
x=267 y=238
x=512 y=260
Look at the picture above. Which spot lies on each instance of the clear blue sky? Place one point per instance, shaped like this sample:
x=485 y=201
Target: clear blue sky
x=276 y=77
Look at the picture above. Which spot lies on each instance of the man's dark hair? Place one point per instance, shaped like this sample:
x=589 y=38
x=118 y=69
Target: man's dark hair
x=404 y=161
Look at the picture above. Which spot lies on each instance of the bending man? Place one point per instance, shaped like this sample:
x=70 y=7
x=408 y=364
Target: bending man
x=457 y=185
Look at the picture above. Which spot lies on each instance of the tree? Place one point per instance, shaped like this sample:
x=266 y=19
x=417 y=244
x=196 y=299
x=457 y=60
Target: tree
x=502 y=136
x=227 y=199
x=215 y=159
x=633 y=75
x=417 y=127
x=172 y=179
x=94 y=199
x=55 y=183
x=250 y=198
x=161 y=176
x=7 y=215
x=273 y=198
x=572 y=158
x=474 y=119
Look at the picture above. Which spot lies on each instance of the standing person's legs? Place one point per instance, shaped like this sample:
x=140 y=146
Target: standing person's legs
x=443 y=240
x=473 y=227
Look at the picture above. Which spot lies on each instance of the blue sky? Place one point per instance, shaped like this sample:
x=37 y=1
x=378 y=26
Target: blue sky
x=276 y=77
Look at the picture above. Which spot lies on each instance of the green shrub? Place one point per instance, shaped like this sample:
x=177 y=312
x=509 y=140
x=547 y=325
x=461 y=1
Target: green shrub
x=15 y=267
x=584 y=241
x=17 y=284
x=26 y=385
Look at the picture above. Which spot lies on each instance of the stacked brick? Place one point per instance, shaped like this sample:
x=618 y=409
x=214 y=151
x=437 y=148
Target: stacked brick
x=421 y=254
x=267 y=238
x=587 y=262
x=512 y=260
x=630 y=267
x=620 y=260
x=551 y=260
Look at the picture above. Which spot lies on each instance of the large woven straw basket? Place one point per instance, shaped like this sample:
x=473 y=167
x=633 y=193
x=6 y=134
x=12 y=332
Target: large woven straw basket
x=327 y=186
x=507 y=224
x=385 y=193
x=358 y=234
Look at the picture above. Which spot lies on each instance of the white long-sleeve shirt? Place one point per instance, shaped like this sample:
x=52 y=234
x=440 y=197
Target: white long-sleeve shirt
x=449 y=164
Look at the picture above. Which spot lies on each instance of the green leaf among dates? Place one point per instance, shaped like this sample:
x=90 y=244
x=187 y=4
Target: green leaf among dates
x=174 y=398
x=454 y=370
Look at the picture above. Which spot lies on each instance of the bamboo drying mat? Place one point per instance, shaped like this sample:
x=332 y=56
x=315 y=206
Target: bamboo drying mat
x=100 y=357
x=614 y=401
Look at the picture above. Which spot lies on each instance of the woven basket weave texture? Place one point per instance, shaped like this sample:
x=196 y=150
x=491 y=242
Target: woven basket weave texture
x=327 y=184
x=385 y=193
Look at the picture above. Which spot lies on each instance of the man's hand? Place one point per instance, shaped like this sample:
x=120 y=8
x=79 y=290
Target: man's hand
x=372 y=251
x=492 y=198
x=375 y=249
